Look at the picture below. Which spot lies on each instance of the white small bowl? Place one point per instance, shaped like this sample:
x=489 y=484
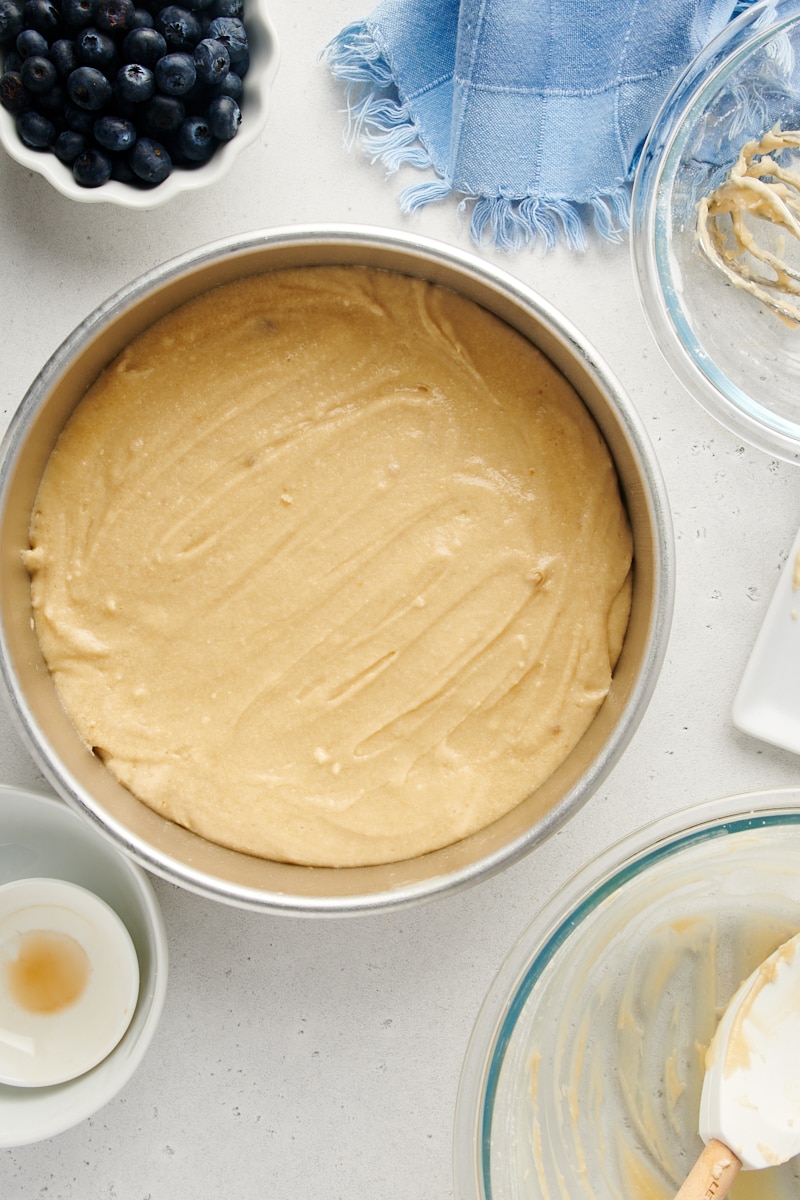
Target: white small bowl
x=40 y=837
x=69 y=981
x=264 y=57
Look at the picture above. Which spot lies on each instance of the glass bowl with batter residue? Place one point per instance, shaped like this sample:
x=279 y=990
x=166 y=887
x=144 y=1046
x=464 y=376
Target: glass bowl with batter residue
x=734 y=355
x=583 y=1074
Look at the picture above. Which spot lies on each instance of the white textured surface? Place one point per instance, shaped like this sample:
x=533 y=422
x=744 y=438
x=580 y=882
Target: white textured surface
x=320 y=1060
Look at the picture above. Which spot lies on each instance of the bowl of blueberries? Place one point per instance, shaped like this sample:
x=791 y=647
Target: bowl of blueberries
x=133 y=101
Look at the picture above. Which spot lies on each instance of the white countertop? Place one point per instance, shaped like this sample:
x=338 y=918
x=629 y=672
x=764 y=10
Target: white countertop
x=320 y=1059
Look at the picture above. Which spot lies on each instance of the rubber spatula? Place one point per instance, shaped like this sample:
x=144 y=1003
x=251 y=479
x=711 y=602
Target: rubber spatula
x=750 y=1103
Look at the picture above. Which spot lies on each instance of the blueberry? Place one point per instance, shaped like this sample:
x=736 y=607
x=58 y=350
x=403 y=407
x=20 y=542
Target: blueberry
x=212 y=61
x=14 y=96
x=142 y=19
x=69 y=144
x=95 y=48
x=63 y=56
x=197 y=97
x=242 y=65
x=42 y=16
x=38 y=74
x=52 y=103
x=12 y=60
x=88 y=88
x=180 y=27
x=121 y=170
x=114 y=16
x=195 y=140
x=231 y=86
x=92 y=168
x=224 y=118
x=227 y=8
x=231 y=32
x=78 y=13
x=175 y=73
x=122 y=108
x=78 y=119
x=135 y=83
x=30 y=41
x=150 y=161
x=163 y=115
x=114 y=133
x=144 y=46
x=10 y=21
x=36 y=130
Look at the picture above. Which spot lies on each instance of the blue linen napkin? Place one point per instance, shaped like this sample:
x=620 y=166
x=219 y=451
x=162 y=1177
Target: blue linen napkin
x=533 y=112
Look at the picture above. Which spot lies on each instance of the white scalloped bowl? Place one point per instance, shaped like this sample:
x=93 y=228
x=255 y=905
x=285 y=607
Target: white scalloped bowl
x=264 y=58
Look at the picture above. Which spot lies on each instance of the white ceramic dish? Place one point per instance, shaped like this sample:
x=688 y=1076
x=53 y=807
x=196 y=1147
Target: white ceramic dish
x=41 y=836
x=738 y=359
x=264 y=59
x=69 y=981
x=767 y=704
x=583 y=1074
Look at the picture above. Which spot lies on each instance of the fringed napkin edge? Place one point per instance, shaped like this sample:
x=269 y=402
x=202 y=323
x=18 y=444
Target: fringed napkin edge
x=381 y=122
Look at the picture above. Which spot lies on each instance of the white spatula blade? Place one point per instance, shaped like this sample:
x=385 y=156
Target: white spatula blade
x=751 y=1092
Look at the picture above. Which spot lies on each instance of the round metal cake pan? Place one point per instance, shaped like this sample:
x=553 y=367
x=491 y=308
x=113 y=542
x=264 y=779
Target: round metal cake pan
x=181 y=856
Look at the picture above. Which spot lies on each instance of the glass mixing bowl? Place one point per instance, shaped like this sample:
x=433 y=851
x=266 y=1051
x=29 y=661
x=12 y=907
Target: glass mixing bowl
x=583 y=1074
x=739 y=359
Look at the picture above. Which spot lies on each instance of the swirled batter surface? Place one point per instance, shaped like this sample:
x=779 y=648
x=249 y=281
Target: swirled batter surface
x=330 y=566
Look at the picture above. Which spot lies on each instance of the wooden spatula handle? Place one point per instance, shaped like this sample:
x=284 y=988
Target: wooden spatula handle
x=712 y=1175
